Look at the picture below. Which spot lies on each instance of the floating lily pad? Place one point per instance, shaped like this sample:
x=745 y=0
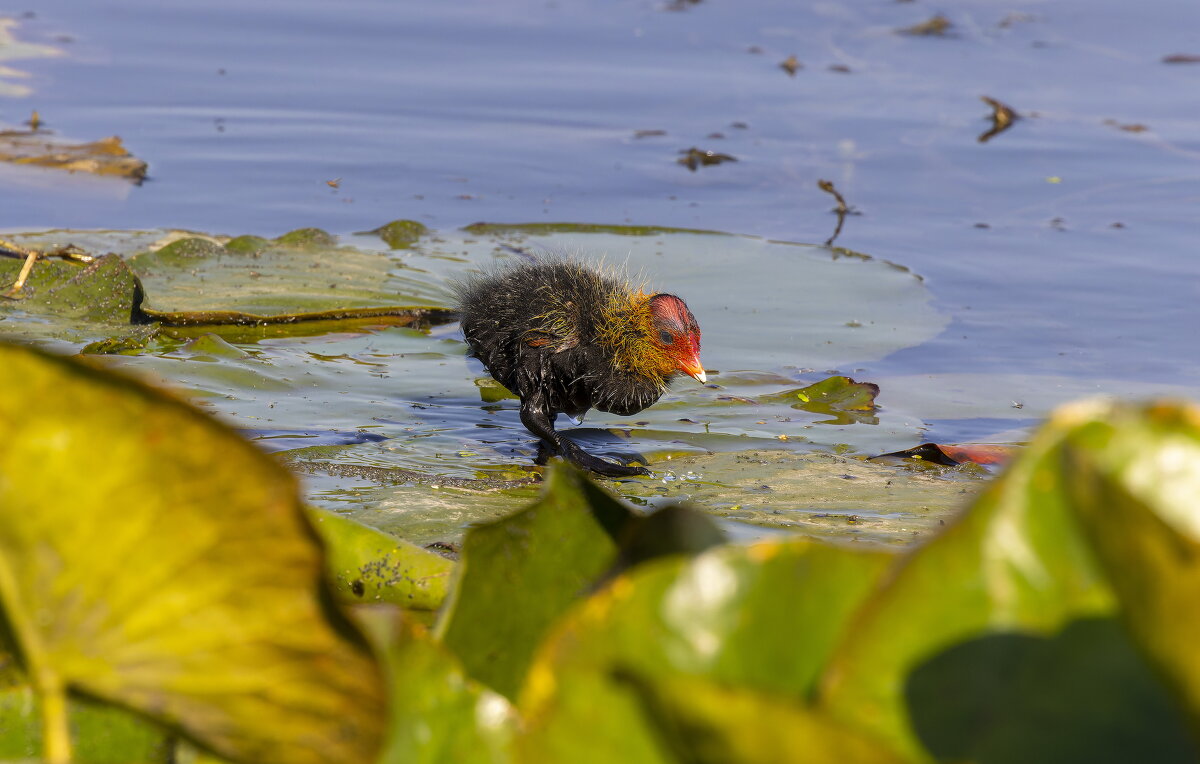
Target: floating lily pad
x=107 y=156
x=817 y=494
x=302 y=272
x=399 y=411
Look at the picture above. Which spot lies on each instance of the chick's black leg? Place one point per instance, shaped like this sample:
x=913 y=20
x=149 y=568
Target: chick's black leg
x=536 y=417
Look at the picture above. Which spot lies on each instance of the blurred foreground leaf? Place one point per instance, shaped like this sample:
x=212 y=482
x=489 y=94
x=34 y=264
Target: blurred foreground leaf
x=103 y=734
x=1000 y=631
x=518 y=574
x=1134 y=476
x=150 y=557
x=702 y=722
x=763 y=617
x=437 y=713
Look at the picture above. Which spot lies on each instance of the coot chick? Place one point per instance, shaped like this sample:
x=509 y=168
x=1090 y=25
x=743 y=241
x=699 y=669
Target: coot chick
x=566 y=338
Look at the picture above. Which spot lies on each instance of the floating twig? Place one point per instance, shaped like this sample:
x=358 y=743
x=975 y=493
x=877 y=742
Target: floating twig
x=31 y=256
x=937 y=26
x=693 y=158
x=842 y=208
x=12 y=292
x=1003 y=117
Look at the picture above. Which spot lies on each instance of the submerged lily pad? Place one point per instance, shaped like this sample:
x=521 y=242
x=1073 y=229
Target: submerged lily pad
x=301 y=272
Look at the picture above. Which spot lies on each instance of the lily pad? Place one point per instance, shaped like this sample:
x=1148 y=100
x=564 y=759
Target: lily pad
x=368 y=565
x=763 y=618
x=301 y=272
x=382 y=402
x=437 y=713
x=218 y=537
x=818 y=494
x=519 y=574
x=1009 y=592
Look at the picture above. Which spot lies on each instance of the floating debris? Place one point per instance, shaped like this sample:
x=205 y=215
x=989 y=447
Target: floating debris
x=791 y=65
x=1181 y=58
x=648 y=133
x=842 y=209
x=103 y=157
x=694 y=158
x=840 y=68
x=937 y=26
x=1003 y=117
x=1135 y=127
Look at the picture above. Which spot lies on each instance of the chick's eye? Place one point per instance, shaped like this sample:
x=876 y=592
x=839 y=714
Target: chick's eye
x=665 y=337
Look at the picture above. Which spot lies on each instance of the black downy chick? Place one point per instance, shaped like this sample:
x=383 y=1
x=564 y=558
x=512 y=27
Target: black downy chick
x=566 y=338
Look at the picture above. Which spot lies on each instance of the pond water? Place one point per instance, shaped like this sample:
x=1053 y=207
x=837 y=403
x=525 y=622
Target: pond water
x=1055 y=260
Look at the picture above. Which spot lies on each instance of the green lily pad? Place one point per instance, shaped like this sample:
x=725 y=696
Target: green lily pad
x=519 y=574
x=1009 y=591
x=176 y=573
x=817 y=494
x=1133 y=474
x=847 y=400
x=303 y=272
x=371 y=566
x=707 y=723
x=401 y=234
x=102 y=733
x=764 y=617
x=437 y=713
x=103 y=291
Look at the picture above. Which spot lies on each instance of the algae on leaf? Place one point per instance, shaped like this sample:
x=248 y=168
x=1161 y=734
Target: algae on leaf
x=368 y=565
x=151 y=557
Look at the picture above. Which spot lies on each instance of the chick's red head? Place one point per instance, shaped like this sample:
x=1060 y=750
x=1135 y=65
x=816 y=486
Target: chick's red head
x=677 y=333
